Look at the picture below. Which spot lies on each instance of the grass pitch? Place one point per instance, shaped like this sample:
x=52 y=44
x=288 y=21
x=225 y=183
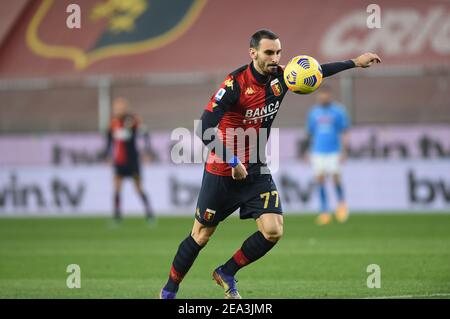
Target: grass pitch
x=133 y=260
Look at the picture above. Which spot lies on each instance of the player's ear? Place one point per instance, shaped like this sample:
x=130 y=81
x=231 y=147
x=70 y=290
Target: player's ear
x=252 y=52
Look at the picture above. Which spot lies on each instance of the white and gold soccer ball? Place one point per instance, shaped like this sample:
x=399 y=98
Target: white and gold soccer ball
x=303 y=74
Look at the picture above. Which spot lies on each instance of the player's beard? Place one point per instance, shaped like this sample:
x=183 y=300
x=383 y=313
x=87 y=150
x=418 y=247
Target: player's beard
x=265 y=67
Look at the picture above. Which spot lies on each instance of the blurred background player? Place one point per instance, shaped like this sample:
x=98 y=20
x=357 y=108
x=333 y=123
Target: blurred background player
x=121 y=139
x=327 y=126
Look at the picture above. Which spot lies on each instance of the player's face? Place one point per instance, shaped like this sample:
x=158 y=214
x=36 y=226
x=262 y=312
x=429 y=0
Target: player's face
x=267 y=57
x=324 y=97
x=120 y=107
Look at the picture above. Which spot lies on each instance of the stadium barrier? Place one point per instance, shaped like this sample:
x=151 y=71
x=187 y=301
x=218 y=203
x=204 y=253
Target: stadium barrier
x=371 y=185
x=369 y=142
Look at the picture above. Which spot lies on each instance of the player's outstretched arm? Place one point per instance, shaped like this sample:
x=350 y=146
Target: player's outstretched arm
x=364 y=61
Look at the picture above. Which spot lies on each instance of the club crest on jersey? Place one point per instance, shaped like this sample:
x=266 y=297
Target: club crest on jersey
x=276 y=87
x=209 y=214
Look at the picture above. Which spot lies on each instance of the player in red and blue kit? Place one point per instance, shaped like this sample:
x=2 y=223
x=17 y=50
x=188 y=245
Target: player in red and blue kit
x=236 y=175
x=121 y=139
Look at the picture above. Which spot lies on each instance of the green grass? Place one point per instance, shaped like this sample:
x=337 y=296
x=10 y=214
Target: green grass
x=133 y=260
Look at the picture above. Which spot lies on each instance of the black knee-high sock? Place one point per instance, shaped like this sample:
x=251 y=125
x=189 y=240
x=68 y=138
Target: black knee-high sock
x=339 y=191
x=117 y=214
x=184 y=258
x=148 y=208
x=253 y=248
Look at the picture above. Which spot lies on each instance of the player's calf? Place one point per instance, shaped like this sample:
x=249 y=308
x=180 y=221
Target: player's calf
x=184 y=258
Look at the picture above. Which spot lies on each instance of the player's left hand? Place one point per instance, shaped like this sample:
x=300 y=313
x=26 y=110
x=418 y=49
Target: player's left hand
x=366 y=60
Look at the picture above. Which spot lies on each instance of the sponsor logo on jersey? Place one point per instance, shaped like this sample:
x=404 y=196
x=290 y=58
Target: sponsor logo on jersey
x=261 y=114
x=122 y=134
x=324 y=119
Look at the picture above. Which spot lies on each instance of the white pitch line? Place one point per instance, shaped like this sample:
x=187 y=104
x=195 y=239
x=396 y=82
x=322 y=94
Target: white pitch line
x=410 y=296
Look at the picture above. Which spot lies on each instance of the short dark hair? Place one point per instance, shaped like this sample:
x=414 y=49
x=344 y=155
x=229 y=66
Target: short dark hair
x=259 y=35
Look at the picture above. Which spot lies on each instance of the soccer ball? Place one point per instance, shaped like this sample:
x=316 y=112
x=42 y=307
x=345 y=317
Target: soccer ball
x=303 y=74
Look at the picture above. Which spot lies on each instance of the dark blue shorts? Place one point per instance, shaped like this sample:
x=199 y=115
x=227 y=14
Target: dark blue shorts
x=128 y=170
x=220 y=196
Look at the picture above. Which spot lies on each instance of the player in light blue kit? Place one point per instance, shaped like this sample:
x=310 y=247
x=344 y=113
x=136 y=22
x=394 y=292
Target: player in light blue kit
x=327 y=127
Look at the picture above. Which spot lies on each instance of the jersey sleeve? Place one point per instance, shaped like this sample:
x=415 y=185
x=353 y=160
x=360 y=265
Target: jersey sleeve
x=328 y=69
x=344 y=122
x=225 y=97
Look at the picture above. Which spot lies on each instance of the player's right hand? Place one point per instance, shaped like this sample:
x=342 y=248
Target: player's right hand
x=239 y=172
